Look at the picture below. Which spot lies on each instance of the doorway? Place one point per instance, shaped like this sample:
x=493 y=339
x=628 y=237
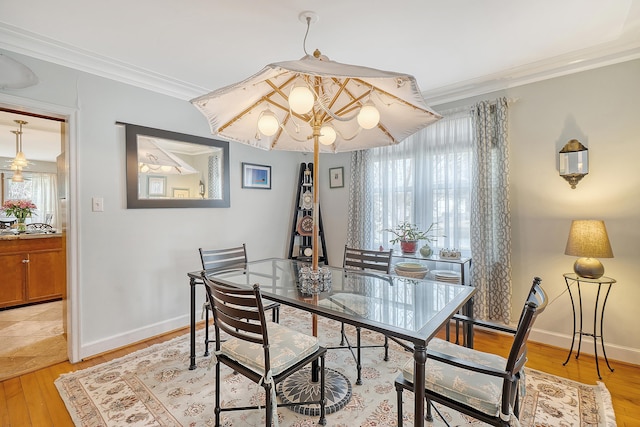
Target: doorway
x=38 y=322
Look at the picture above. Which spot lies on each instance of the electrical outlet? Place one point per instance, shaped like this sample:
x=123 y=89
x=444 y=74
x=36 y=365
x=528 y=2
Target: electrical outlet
x=97 y=204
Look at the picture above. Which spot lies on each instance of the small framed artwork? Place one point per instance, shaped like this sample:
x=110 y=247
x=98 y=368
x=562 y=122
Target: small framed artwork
x=157 y=186
x=256 y=176
x=336 y=177
x=180 y=193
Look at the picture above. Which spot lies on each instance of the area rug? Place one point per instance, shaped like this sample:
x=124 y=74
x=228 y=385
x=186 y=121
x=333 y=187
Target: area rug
x=154 y=387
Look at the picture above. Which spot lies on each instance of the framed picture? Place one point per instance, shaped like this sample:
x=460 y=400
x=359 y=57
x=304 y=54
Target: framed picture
x=157 y=186
x=256 y=176
x=180 y=193
x=336 y=177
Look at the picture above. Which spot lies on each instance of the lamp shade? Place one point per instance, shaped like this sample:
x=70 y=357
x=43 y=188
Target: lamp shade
x=588 y=239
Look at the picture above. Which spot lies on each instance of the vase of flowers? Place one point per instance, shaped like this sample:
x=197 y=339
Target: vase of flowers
x=21 y=210
x=408 y=235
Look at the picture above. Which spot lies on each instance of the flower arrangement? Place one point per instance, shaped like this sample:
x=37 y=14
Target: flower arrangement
x=21 y=209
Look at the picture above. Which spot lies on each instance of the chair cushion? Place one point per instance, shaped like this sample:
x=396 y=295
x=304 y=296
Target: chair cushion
x=286 y=348
x=474 y=389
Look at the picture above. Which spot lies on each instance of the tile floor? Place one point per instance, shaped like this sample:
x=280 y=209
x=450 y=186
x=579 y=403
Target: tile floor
x=32 y=338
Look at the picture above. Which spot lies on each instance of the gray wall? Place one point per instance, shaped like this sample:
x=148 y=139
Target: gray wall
x=131 y=264
x=128 y=276
x=601 y=108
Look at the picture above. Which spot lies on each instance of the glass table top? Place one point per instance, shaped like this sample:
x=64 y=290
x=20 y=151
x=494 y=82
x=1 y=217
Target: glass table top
x=404 y=307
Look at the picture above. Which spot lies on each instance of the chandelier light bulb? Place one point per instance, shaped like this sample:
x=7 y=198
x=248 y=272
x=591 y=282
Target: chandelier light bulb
x=369 y=116
x=144 y=168
x=268 y=123
x=20 y=160
x=17 y=177
x=301 y=99
x=327 y=135
x=165 y=168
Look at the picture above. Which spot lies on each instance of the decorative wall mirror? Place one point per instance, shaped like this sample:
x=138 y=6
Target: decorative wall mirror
x=173 y=170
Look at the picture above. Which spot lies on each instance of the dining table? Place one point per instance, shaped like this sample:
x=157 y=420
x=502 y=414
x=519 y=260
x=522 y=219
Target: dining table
x=405 y=309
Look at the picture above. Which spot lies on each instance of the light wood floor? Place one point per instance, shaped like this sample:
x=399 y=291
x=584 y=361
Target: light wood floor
x=31 y=337
x=32 y=399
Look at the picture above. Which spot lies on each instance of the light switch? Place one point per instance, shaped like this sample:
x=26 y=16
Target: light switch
x=97 y=204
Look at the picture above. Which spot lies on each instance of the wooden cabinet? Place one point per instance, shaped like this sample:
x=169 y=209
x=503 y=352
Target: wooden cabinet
x=32 y=269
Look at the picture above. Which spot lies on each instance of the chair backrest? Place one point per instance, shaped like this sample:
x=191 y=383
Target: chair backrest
x=535 y=304
x=364 y=259
x=221 y=259
x=7 y=223
x=39 y=226
x=532 y=296
x=240 y=313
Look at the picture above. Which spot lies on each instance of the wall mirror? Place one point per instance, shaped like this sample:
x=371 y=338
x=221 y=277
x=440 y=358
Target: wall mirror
x=173 y=170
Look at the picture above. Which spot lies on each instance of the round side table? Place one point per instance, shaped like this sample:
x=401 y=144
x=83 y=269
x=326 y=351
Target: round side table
x=606 y=282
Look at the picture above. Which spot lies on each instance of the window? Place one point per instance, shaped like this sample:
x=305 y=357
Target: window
x=426 y=179
x=41 y=189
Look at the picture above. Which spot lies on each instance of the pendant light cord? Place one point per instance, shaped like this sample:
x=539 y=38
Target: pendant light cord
x=304 y=42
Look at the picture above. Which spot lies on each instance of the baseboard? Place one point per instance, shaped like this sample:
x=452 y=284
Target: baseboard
x=130 y=337
x=614 y=352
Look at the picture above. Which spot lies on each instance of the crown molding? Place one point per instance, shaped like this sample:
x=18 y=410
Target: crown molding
x=574 y=62
x=35 y=45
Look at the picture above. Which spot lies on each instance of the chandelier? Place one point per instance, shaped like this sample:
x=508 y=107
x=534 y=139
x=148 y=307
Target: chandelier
x=20 y=161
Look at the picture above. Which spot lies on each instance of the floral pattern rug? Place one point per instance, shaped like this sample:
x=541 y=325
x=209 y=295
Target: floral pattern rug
x=154 y=387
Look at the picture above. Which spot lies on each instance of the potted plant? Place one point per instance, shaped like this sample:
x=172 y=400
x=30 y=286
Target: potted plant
x=408 y=235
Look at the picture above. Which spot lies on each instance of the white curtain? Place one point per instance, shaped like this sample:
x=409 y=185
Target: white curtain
x=41 y=189
x=424 y=179
x=453 y=173
x=491 y=215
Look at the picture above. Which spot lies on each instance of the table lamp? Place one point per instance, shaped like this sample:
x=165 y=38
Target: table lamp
x=588 y=240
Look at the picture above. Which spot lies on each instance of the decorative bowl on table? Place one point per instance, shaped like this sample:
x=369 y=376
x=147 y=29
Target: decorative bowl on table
x=414 y=270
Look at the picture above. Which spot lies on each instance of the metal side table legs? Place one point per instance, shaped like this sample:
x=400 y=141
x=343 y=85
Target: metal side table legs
x=570 y=278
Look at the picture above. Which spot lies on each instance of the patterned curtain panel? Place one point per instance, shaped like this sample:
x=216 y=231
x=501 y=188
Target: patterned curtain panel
x=491 y=213
x=359 y=229
x=215 y=184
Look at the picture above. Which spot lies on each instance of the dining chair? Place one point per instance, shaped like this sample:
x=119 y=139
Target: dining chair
x=500 y=327
x=265 y=352
x=484 y=386
x=217 y=260
x=365 y=260
x=7 y=223
x=39 y=226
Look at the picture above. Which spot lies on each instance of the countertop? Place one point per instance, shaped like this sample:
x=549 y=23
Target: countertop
x=27 y=236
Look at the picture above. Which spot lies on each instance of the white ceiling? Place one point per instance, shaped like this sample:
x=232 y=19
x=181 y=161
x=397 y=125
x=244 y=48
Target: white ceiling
x=454 y=48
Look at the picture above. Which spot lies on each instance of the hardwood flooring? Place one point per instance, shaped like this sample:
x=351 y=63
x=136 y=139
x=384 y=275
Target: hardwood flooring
x=33 y=400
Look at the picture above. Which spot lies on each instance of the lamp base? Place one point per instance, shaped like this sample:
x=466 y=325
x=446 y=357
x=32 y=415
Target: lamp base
x=589 y=268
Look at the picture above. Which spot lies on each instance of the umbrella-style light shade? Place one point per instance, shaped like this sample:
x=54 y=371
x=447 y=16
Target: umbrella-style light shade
x=318 y=107
x=340 y=91
x=155 y=159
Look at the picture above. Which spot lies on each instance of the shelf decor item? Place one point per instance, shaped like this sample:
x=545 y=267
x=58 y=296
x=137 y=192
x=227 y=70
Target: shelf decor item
x=413 y=270
x=21 y=209
x=447 y=253
x=408 y=235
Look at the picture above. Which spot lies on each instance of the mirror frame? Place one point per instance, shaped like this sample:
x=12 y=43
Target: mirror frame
x=133 y=202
